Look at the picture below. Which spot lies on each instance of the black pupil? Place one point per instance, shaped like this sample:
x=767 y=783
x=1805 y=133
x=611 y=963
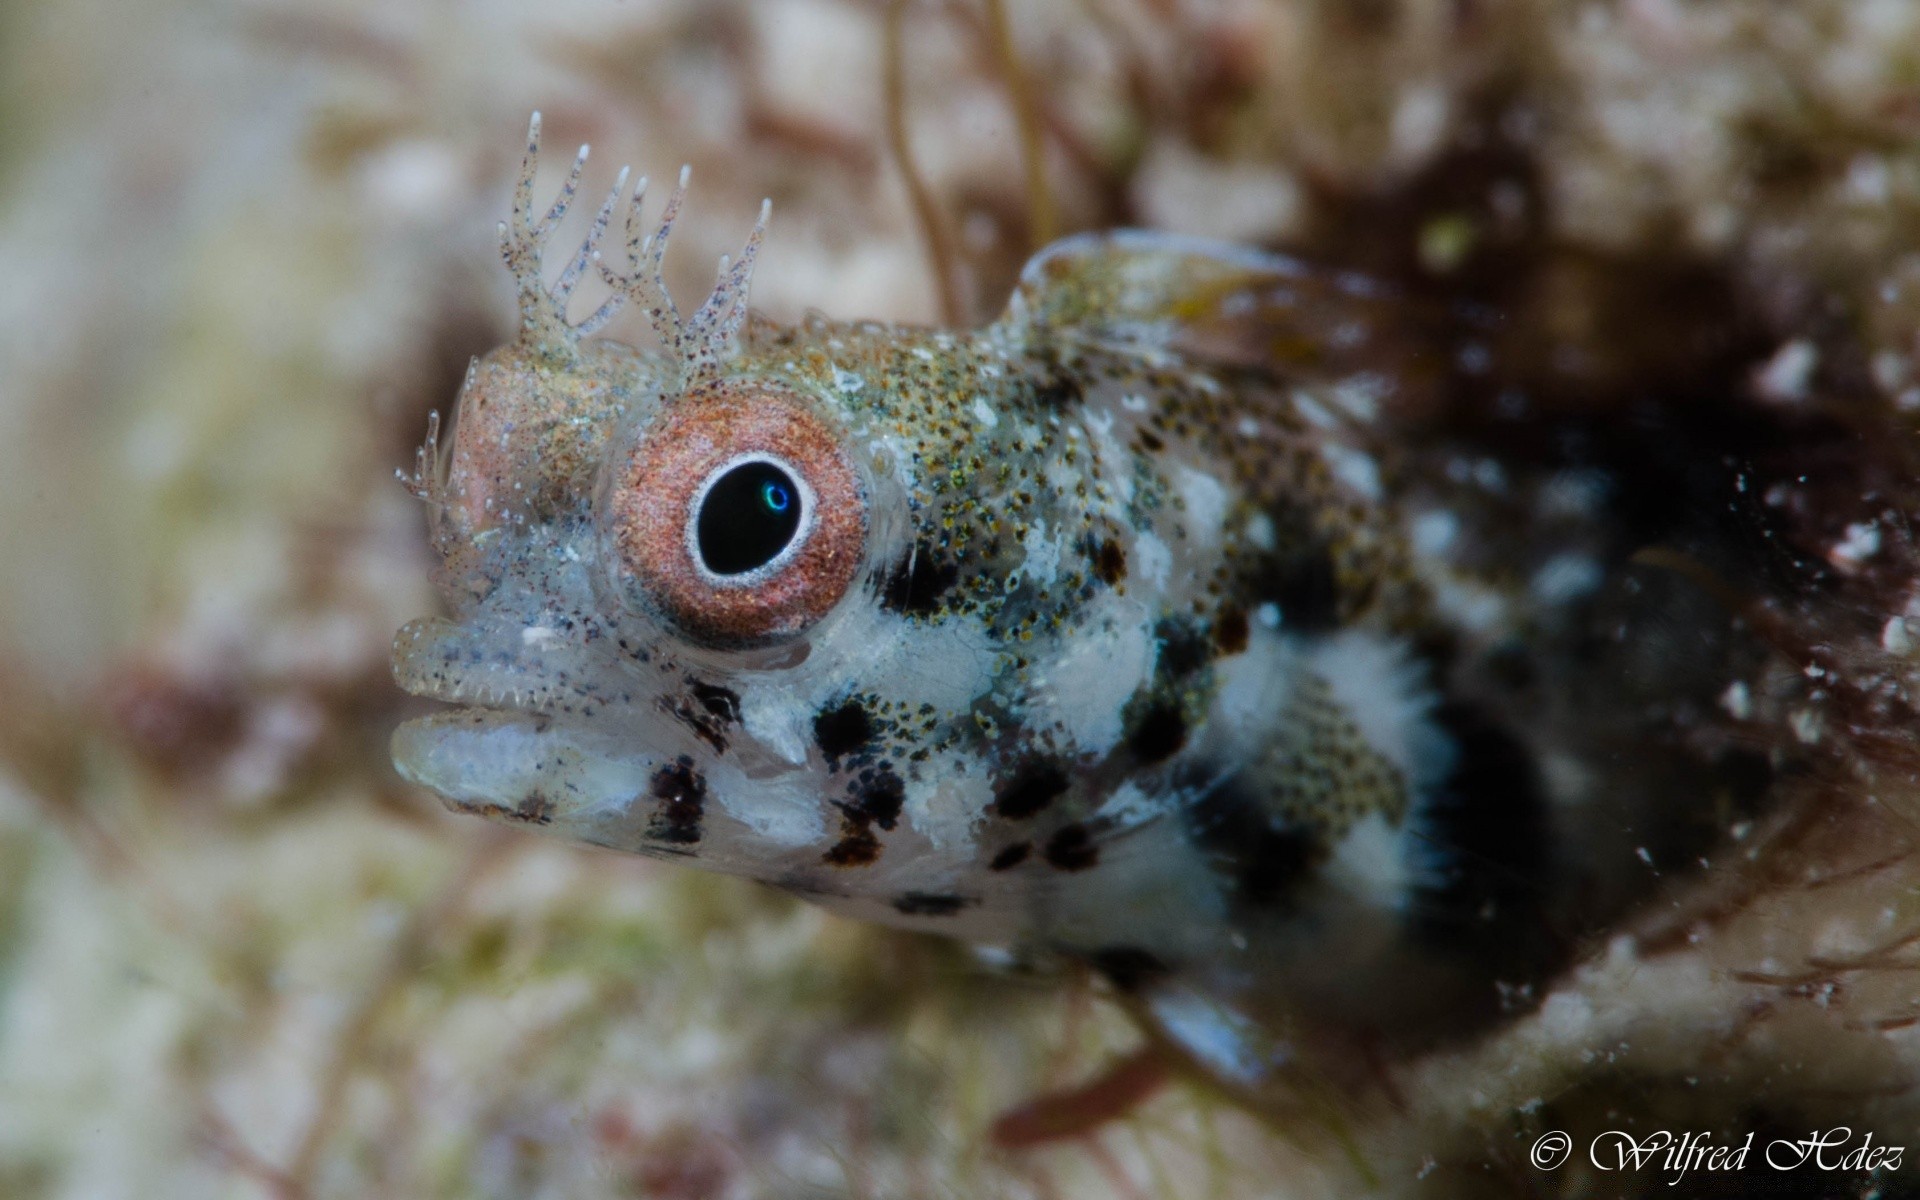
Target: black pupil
x=747 y=518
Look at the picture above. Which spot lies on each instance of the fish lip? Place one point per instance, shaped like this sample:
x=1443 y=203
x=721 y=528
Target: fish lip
x=459 y=664
x=530 y=771
x=457 y=697
x=428 y=752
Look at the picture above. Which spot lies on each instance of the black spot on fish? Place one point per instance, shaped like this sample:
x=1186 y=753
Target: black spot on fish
x=722 y=704
x=842 y=731
x=1129 y=967
x=1109 y=561
x=1184 y=649
x=858 y=848
x=1151 y=441
x=1011 y=857
x=1059 y=388
x=1230 y=630
x=930 y=904
x=878 y=796
x=680 y=797
x=918 y=584
x=707 y=727
x=1033 y=786
x=1158 y=734
x=534 y=809
x=1071 y=848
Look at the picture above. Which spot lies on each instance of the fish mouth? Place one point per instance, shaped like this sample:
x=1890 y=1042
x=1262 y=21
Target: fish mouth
x=524 y=745
x=527 y=670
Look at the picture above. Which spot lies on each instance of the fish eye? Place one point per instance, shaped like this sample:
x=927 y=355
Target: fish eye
x=737 y=515
x=747 y=517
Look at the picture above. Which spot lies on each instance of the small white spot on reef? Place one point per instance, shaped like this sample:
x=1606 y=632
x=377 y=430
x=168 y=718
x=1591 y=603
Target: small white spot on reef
x=1890 y=370
x=539 y=635
x=1896 y=637
x=1785 y=377
x=1805 y=724
x=1860 y=542
x=1869 y=179
x=1566 y=1018
x=1566 y=577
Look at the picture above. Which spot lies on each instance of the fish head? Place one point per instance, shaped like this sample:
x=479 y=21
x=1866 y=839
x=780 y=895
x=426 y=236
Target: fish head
x=658 y=568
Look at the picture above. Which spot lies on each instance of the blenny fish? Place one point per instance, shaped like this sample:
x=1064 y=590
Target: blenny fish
x=1156 y=626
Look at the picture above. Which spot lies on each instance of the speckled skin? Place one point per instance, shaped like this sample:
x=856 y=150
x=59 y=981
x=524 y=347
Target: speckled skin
x=1182 y=663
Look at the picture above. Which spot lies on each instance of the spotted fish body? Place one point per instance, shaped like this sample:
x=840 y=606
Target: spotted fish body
x=1076 y=635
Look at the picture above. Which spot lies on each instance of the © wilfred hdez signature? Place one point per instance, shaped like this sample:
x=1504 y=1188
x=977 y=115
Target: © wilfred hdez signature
x=1677 y=1154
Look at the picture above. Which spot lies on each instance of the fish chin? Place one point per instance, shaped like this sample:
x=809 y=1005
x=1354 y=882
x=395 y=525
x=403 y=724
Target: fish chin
x=562 y=729
x=628 y=790
x=538 y=737
x=528 y=769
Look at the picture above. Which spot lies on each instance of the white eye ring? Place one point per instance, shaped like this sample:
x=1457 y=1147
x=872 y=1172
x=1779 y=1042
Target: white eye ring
x=690 y=535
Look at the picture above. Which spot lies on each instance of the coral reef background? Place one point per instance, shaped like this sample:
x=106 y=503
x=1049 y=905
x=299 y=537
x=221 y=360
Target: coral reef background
x=249 y=245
